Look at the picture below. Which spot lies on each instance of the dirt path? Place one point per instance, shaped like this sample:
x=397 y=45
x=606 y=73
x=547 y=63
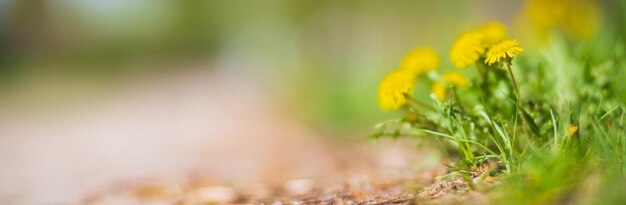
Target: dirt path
x=197 y=136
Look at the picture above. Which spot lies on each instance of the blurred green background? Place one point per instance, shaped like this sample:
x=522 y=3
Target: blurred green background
x=322 y=60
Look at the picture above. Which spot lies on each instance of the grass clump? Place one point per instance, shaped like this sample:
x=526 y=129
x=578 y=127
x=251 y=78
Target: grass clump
x=550 y=121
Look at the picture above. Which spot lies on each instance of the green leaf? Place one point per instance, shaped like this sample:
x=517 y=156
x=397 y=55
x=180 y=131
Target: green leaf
x=530 y=122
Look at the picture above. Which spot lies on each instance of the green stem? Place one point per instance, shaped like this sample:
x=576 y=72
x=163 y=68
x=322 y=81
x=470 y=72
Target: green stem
x=458 y=99
x=482 y=72
x=515 y=87
x=419 y=104
x=484 y=85
x=518 y=98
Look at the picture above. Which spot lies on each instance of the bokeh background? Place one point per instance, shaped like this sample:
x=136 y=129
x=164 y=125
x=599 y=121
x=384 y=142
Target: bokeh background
x=94 y=91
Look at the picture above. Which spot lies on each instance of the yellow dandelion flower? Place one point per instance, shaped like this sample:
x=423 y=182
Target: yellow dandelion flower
x=394 y=89
x=439 y=89
x=583 y=19
x=505 y=50
x=421 y=60
x=492 y=32
x=455 y=78
x=546 y=14
x=467 y=49
x=578 y=18
x=573 y=128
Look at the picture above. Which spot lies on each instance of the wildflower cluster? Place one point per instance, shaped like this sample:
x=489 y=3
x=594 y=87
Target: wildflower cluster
x=528 y=118
x=395 y=90
x=488 y=44
x=473 y=132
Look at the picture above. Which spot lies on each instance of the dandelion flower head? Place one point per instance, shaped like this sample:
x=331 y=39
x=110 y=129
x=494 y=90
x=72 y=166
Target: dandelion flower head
x=421 y=60
x=467 y=49
x=455 y=78
x=492 y=32
x=395 y=88
x=579 y=18
x=546 y=14
x=583 y=20
x=439 y=89
x=505 y=50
